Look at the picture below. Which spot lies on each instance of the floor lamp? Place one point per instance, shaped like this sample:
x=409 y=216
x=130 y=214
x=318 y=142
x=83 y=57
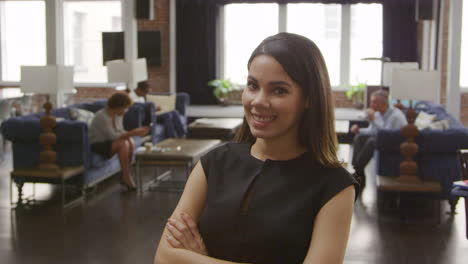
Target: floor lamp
x=413 y=85
x=47 y=80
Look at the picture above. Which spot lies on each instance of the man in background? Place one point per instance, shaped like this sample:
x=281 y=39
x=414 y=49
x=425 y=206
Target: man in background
x=380 y=116
x=138 y=95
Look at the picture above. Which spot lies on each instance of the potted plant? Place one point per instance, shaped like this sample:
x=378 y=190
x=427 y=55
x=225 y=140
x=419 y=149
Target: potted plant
x=223 y=88
x=356 y=94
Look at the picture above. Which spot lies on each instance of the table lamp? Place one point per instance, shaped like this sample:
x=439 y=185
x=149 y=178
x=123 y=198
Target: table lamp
x=413 y=85
x=47 y=80
x=388 y=69
x=120 y=71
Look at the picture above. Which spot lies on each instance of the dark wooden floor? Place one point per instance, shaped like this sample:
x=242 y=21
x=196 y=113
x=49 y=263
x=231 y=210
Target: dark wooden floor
x=118 y=227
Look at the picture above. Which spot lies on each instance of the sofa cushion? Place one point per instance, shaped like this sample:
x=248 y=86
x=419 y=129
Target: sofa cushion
x=424 y=120
x=439 y=111
x=439 y=125
x=81 y=115
x=165 y=102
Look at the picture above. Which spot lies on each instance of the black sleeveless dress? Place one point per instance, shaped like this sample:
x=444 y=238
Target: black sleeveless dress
x=263 y=211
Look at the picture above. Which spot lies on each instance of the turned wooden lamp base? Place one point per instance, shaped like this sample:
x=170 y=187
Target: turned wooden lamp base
x=47 y=139
x=409 y=148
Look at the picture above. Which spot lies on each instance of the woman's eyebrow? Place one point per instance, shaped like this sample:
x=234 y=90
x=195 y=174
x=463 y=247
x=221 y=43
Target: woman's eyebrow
x=272 y=83
x=279 y=83
x=252 y=78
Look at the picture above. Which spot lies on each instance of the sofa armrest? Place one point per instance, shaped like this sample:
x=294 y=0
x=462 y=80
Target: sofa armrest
x=389 y=140
x=149 y=113
x=134 y=117
x=72 y=144
x=442 y=141
x=429 y=141
x=182 y=103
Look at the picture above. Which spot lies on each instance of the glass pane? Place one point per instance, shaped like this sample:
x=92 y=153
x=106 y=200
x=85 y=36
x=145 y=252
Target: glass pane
x=242 y=35
x=22 y=43
x=464 y=48
x=366 y=42
x=84 y=22
x=322 y=24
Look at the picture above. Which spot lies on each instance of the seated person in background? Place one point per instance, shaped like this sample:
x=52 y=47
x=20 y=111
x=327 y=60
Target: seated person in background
x=138 y=95
x=380 y=116
x=108 y=136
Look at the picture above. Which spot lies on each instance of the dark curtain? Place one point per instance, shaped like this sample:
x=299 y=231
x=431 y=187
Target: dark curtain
x=196 y=48
x=400 y=30
x=196 y=39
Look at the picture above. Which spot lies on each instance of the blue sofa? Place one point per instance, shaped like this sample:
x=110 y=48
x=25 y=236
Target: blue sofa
x=72 y=146
x=170 y=124
x=437 y=156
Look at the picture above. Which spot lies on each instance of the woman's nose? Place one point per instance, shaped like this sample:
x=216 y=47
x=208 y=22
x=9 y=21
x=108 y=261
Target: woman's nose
x=261 y=99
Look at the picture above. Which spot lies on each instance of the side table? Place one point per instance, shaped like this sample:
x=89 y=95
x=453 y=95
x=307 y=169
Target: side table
x=387 y=184
x=459 y=192
x=36 y=175
x=214 y=128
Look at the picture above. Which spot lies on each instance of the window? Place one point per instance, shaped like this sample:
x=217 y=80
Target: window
x=322 y=24
x=21 y=43
x=366 y=41
x=242 y=35
x=79 y=20
x=464 y=48
x=84 y=22
x=342 y=48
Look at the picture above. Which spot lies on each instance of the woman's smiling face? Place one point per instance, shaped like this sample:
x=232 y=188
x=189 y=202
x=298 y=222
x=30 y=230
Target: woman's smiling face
x=273 y=102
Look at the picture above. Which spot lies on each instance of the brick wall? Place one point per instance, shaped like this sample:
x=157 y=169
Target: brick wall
x=444 y=60
x=341 y=100
x=158 y=77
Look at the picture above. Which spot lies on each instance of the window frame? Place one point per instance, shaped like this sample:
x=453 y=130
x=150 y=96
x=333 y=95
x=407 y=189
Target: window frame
x=58 y=31
x=345 y=43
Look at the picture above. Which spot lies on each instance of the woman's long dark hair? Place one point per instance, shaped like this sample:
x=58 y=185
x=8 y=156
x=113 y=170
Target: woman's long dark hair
x=303 y=62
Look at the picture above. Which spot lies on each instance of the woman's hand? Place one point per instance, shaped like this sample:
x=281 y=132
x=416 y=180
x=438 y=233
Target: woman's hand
x=184 y=234
x=140 y=131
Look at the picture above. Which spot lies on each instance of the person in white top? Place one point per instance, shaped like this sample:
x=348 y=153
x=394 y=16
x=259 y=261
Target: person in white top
x=108 y=136
x=380 y=116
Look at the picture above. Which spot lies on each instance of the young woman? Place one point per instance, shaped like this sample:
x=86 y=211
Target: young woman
x=108 y=136
x=278 y=195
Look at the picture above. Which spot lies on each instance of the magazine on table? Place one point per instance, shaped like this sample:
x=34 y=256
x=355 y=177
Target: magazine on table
x=462 y=184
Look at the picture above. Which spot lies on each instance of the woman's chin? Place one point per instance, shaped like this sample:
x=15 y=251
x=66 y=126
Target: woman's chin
x=259 y=134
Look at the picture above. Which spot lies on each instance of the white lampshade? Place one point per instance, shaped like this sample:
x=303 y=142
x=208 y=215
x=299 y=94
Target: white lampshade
x=119 y=71
x=415 y=85
x=49 y=79
x=389 y=67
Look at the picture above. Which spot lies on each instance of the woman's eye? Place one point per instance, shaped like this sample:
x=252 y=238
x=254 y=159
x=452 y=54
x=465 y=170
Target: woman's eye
x=251 y=85
x=280 y=90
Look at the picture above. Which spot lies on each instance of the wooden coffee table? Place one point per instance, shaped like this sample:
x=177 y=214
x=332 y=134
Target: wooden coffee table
x=174 y=152
x=214 y=128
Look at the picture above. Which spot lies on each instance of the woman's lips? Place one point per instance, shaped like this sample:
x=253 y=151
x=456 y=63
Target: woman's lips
x=261 y=121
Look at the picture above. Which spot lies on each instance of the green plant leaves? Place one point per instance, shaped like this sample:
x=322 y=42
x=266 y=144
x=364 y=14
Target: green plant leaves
x=356 y=92
x=222 y=87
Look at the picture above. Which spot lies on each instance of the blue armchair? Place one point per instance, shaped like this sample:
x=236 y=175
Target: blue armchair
x=437 y=156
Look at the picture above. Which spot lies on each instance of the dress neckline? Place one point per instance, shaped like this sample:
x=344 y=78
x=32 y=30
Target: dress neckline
x=248 y=150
